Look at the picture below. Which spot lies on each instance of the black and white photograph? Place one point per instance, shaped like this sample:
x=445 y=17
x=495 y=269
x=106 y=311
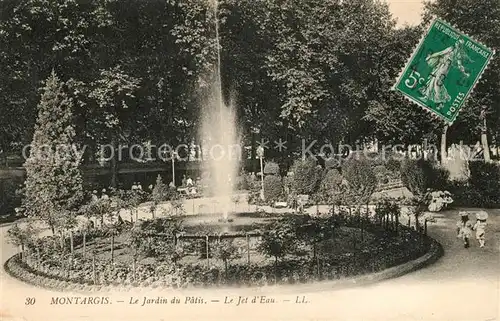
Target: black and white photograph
x=250 y=160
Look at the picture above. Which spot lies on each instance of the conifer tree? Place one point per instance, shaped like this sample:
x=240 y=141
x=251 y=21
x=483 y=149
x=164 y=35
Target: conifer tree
x=54 y=182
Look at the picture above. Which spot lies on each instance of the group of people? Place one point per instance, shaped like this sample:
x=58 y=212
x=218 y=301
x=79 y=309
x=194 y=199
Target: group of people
x=465 y=227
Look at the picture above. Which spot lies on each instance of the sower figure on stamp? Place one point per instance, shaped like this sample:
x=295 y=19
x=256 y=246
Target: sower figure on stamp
x=480 y=227
x=441 y=63
x=464 y=228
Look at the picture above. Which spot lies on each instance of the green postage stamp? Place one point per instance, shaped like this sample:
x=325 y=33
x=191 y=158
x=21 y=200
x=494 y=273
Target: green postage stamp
x=443 y=70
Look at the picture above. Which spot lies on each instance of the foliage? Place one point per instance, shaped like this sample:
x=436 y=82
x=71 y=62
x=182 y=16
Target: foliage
x=226 y=251
x=10 y=197
x=278 y=241
x=271 y=168
x=158 y=194
x=159 y=191
x=420 y=175
x=306 y=176
x=484 y=184
x=313 y=229
x=20 y=236
x=393 y=166
x=330 y=188
x=156 y=238
x=388 y=211
x=141 y=70
x=360 y=178
x=273 y=188
x=388 y=250
x=54 y=183
x=436 y=177
x=413 y=176
x=382 y=174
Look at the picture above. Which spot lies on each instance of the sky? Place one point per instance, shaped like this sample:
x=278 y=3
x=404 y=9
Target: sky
x=406 y=11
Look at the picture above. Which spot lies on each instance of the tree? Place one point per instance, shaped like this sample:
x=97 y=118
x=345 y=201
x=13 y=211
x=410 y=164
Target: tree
x=278 y=241
x=314 y=230
x=68 y=32
x=361 y=180
x=306 y=176
x=88 y=211
x=361 y=184
x=273 y=188
x=54 y=183
x=226 y=251
x=21 y=237
x=324 y=80
x=158 y=236
x=113 y=223
x=414 y=178
x=158 y=194
x=395 y=120
x=330 y=188
x=113 y=94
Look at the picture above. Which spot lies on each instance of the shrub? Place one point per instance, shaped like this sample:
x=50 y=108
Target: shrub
x=420 y=175
x=277 y=242
x=412 y=176
x=242 y=183
x=484 y=184
x=330 y=187
x=332 y=163
x=393 y=166
x=381 y=173
x=155 y=238
x=226 y=251
x=306 y=176
x=271 y=168
x=360 y=178
x=10 y=198
x=436 y=177
x=159 y=192
x=273 y=188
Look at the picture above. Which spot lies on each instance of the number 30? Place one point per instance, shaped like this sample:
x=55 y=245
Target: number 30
x=30 y=301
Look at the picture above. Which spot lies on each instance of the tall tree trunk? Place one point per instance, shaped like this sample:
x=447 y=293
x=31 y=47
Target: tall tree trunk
x=84 y=242
x=254 y=152
x=134 y=265
x=443 y=145
x=112 y=248
x=61 y=238
x=114 y=164
x=71 y=245
x=94 y=276
x=484 y=136
x=317 y=265
x=275 y=269
x=314 y=251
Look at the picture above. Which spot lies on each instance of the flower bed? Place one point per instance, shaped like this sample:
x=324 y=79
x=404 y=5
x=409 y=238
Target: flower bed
x=89 y=275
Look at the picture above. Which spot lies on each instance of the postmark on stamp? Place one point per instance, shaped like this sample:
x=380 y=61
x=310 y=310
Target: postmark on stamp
x=443 y=70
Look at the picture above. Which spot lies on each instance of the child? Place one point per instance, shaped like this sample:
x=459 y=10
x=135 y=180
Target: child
x=464 y=228
x=480 y=227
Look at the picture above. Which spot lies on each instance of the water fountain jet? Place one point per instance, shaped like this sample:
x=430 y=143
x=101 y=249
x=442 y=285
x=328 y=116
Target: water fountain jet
x=219 y=132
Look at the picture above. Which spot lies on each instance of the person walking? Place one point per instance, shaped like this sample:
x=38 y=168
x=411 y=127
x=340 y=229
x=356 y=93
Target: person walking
x=480 y=227
x=464 y=228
